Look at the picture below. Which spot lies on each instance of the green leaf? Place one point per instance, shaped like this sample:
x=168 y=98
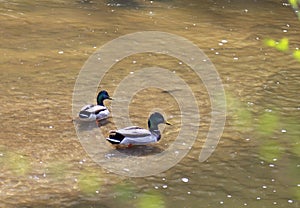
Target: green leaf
x=270 y=42
x=283 y=45
x=294 y=3
x=296 y=55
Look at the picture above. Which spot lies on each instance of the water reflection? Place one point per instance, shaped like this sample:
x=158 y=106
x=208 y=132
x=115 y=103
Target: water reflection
x=136 y=151
x=87 y=126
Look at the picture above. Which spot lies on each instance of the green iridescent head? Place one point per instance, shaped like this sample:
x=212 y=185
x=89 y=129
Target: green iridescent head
x=102 y=95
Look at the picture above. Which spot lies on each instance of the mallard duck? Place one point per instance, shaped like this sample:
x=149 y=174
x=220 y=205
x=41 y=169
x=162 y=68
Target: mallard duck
x=135 y=135
x=95 y=112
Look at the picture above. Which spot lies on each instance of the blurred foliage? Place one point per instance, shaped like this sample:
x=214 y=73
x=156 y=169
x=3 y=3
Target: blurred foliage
x=292 y=134
x=267 y=123
x=151 y=200
x=268 y=126
x=242 y=116
x=296 y=6
x=292 y=175
x=89 y=181
x=294 y=3
x=283 y=44
x=271 y=150
x=57 y=169
x=270 y=42
x=296 y=147
x=124 y=192
x=276 y=134
x=296 y=192
x=19 y=164
x=296 y=55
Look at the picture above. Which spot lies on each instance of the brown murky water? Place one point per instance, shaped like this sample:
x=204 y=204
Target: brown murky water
x=44 y=44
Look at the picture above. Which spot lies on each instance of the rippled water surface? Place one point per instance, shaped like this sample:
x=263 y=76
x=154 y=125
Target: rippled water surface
x=44 y=44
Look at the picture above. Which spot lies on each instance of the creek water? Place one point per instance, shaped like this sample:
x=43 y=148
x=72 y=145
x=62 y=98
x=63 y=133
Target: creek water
x=44 y=45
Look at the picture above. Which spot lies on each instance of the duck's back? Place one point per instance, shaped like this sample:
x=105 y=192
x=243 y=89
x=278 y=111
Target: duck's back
x=132 y=135
x=134 y=131
x=93 y=112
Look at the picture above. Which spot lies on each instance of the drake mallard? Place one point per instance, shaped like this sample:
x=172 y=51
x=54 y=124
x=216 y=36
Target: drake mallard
x=95 y=112
x=135 y=135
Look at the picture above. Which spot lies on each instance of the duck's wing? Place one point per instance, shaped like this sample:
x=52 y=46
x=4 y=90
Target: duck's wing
x=140 y=140
x=132 y=135
x=133 y=131
x=97 y=109
x=85 y=114
x=93 y=108
x=132 y=128
x=87 y=107
x=93 y=112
